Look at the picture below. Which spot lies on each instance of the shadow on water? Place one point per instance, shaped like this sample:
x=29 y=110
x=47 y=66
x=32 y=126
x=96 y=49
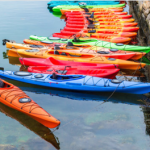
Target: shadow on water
x=39 y=129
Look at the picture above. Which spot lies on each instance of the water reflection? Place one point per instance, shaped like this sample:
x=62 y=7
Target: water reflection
x=36 y=127
x=84 y=96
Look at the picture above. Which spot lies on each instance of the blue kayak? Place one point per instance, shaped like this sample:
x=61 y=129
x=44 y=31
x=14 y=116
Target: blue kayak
x=78 y=82
x=52 y=4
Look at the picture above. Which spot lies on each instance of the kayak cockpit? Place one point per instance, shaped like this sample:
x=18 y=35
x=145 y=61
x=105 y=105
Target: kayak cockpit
x=65 y=53
x=4 y=84
x=54 y=76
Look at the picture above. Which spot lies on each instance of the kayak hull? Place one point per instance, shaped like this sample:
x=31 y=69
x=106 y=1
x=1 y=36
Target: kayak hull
x=72 y=70
x=53 y=62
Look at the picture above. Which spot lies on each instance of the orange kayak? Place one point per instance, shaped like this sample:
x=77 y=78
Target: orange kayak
x=36 y=53
x=85 y=49
x=15 y=98
x=33 y=44
x=63 y=11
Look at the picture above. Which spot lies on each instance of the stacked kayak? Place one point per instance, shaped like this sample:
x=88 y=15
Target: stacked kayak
x=78 y=82
x=87 y=54
x=15 y=98
x=85 y=27
x=87 y=49
x=68 y=56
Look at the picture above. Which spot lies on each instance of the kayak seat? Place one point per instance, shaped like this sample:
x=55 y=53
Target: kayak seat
x=61 y=71
x=92 y=31
x=1 y=84
x=56 y=48
x=74 y=55
x=70 y=44
x=85 y=9
x=63 y=53
x=56 y=52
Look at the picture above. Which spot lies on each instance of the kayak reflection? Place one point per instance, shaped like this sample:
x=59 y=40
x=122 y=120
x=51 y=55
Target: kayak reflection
x=39 y=129
x=84 y=96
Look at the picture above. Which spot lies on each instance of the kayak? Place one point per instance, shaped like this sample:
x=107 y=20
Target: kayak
x=103 y=29
x=103 y=24
x=54 y=62
x=93 y=33
x=98 y=20
x=103 y=37
x=58 y=8
x=78 y=82
x=95 y=51
x=31 y=124
x=35 y=44
x=81 y=13
x=100 y=52
x=91 y=10
x=35 y=53
x=52 y=4
x=75 y=70
x=15 y=98
x=95 y=10
x=96 y=17
x=94 y=42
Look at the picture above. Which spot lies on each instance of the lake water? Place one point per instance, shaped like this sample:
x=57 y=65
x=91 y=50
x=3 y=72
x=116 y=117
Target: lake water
x=86 y=122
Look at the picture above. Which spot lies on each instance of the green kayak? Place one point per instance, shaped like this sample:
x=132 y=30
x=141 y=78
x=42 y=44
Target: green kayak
x=57 y=8
x=94 y=42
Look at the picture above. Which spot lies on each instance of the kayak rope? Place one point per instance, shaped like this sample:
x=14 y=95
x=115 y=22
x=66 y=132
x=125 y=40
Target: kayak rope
x=10 y=93
x=89 y=110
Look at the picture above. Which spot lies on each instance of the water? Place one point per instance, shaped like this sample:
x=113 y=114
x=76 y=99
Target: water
x=116 y=124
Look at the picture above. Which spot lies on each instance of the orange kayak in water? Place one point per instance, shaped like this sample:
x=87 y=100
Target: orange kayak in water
x=67 y=56
x=63 y=11
x=15 y=98
x=87 y=49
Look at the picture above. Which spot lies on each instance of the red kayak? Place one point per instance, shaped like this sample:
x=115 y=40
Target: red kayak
x=51 y=61
x=103 y=29
x=95 y=13
x=99 y=34
x=75 y=70
x=81 y=17
x=76 y=25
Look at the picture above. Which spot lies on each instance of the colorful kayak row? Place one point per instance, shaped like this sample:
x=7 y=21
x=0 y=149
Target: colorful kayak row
x=85 y=56
x=72 y=53
x=85 y=27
